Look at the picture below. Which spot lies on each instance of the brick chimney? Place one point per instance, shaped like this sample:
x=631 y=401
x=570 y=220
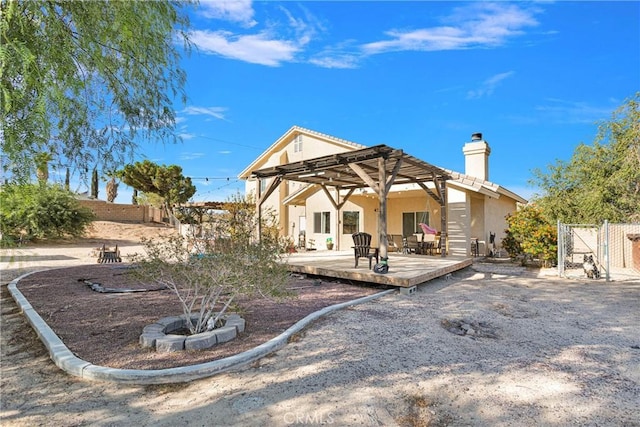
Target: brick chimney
x=476 y=157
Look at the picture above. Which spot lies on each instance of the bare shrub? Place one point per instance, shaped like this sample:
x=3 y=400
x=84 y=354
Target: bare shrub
x=207 y=275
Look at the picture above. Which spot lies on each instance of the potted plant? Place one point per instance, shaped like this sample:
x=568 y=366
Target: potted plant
x=329 y=243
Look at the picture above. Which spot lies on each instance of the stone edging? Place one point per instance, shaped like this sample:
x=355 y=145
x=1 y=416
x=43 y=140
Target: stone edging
x=70 y=363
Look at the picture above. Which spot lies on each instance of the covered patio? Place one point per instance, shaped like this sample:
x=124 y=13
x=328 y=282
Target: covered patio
x=378 y=168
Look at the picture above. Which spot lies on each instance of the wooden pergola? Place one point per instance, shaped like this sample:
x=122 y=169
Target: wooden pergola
x=200 y=209
x=378 y=167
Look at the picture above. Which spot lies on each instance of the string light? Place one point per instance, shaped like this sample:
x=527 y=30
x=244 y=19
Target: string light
x=211 y=178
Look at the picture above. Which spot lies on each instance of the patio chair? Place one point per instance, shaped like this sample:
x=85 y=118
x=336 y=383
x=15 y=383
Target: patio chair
x=438 y=245
x=413 y=244
x=429 y=243
x=106 y=255
x=362 y=248
x=395 y=243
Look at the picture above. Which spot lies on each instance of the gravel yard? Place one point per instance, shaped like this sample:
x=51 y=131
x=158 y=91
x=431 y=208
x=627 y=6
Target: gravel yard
x=493 y=345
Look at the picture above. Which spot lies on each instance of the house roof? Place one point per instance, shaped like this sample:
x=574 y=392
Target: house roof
x=335 y=169
x=286 y=138
x=481 y=186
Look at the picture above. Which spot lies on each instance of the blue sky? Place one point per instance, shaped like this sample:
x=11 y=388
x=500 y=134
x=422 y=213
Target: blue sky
x=533 y=77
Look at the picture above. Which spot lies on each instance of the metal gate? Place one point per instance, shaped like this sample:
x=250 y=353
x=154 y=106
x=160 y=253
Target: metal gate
x=614 y=248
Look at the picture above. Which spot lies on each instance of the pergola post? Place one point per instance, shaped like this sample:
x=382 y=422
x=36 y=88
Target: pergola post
x=443 y=217
x=382 y=212
x=259 y=208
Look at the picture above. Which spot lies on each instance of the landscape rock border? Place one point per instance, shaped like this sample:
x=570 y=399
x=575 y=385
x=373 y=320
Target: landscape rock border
x=66 y=360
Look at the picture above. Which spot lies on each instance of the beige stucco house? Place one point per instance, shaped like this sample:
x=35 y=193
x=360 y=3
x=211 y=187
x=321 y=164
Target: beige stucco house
x=475 y=206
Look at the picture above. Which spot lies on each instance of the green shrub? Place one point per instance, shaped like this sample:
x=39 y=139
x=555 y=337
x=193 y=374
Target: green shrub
x=40 y=211
x=530 y=235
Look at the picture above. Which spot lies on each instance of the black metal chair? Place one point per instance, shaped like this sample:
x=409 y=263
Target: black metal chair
x=413 y=244
x=362 y=248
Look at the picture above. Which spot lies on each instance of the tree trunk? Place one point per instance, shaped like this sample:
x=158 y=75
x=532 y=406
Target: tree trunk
x=112 y=190
x=43 y=172
x=94 y=184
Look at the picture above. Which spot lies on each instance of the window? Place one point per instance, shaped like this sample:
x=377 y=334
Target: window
x=411 y=222
x=322 y=222
x=263 y=186
x=297 y=144
x=350 y=222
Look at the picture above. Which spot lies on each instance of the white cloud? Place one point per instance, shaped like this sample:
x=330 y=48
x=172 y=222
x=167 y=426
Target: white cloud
x=254 y=48
x=224 y=152
x=186 y=135
x=572 y=112
x=328 y=60
x=240 y=11
x=489 y=85
x=216 y=112
x=276 y=43
x=191 y=156
x=478 y=25
x=304 y=29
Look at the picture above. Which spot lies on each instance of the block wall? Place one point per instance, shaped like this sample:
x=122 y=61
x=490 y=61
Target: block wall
x=119 y=212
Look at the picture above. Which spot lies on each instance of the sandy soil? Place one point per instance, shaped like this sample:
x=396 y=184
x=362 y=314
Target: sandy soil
x=495 y=345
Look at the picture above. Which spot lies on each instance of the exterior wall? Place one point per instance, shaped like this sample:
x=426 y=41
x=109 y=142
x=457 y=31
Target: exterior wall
x=488 y=216
x=496 y=211
x=319 y=202
x=417 y=202
x=105 y=211
x=368 y=207
x=477 y=224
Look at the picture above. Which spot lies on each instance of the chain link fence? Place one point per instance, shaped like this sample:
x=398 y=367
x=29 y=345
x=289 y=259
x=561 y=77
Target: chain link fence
x=609 y=251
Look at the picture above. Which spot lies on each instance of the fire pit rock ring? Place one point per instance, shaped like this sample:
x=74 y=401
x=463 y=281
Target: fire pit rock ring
x=160 y=335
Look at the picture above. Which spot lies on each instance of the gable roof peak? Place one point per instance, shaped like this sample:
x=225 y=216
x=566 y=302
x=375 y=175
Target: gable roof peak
x=285 y=139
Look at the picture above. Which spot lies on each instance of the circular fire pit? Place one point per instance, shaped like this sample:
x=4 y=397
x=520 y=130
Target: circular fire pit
x=161 y=336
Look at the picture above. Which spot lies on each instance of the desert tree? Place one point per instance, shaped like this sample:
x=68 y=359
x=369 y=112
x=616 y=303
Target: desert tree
x=600 y=181
x=167 y=182
x=87 y=80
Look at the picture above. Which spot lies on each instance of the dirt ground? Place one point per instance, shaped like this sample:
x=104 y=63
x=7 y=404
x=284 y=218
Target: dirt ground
x=493 y=345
